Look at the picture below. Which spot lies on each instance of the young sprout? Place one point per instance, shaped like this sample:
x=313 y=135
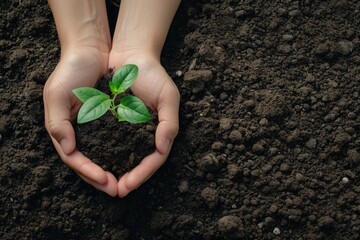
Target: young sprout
x=97 y=103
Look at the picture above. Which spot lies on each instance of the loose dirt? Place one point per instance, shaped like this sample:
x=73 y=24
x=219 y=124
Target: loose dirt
x=268 y=147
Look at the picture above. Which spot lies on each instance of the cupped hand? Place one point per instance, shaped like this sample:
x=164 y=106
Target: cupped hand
x=155 y=87
x=78 y=68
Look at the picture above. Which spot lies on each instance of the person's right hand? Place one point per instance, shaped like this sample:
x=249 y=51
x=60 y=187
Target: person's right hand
x=77 y=68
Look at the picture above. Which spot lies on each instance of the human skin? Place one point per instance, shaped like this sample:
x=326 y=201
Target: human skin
x=86 y=54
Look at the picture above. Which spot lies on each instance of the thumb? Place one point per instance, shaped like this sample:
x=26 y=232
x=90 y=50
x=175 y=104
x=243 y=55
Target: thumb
x=57 y=119
x=168 y=113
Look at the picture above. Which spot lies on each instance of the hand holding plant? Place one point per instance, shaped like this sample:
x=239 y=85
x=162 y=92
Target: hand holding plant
x=86 y=54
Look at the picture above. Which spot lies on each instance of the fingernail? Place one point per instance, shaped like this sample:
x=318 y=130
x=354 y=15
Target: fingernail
x=65 y=145
x=165 y=145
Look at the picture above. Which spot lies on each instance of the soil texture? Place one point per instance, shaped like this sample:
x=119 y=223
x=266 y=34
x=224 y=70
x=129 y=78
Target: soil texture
x=269 y=141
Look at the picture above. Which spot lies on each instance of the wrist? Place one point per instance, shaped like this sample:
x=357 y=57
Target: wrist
x=84 y=57
x=133 y=55
x=143 y=25
x=91 y=44
x=81 y=24
x=128 y=46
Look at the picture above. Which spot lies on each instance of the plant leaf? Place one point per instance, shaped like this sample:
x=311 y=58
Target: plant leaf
x=133 y=110
x=84 y=93
x=113 y=88
x=125 y=77
x=93 y=108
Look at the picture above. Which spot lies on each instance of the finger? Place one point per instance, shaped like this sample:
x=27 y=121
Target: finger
x=57 y=118
x=82 y=165
x=141 y=173
x=109 y=187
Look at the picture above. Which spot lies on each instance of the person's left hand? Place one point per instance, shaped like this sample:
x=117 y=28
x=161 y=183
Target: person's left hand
x=155 y=87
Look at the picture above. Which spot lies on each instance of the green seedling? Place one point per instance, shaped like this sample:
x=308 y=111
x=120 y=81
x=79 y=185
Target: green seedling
x=96 y=103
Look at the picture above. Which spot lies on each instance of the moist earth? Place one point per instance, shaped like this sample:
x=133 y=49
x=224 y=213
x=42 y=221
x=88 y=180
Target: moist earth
x=268 y=146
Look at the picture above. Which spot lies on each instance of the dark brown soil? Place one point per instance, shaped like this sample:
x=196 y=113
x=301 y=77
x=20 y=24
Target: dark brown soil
x=269 y=142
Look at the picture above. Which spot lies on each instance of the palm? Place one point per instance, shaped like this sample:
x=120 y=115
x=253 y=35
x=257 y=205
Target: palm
x=73 y=71
x=151 y=80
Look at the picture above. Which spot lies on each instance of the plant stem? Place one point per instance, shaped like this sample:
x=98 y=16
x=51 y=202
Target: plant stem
x=112 y=106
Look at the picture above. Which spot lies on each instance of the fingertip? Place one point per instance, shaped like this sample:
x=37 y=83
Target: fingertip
x=164 y=145
x=67 y=145
x=123 y=189
x=110 y=187
x=63 y=133
x=165 y=135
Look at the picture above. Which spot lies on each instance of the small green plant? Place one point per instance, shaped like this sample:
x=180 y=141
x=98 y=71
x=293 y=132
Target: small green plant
x=97 y=103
